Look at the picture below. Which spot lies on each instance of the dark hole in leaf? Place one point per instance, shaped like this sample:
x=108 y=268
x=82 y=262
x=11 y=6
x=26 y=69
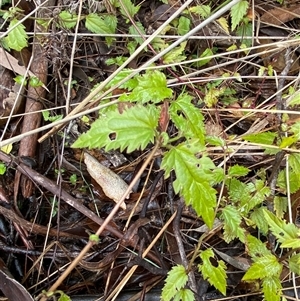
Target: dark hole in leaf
x=112 y=136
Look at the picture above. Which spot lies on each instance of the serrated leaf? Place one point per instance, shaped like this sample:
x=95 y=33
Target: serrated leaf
x=103 y=25
x=281 y=230
x=288 y=141
x=295 y=128
x=294 y=181
x=224 y=24
x=202 y=10
x=133 y=30
x=214 y=140
x=177 y=279
x=216 y=276
x=212 y=94
x=272 y=289
x=191 y=178
x=187 y=118
x=17 y=38
x=67 y=19
x=232 y=224
x=293 y=243
x=130 y=9
x=134 y=129
x=245 y=30
x=184 y=25
x=96 y=24
x=176 y=54
x=238 y=171
x=259 y=196
x=294 y=161
x=184 y=295
x=239 y=191
x=257 y=216
x=129 y=84
x=280 y=206
x=237 y=12
x=257 y=248
x=205 y=57
x=263 y=267
x=294 y=263
x=202 y=197
x=152 y=87
x=263 y=138
x=294 y=99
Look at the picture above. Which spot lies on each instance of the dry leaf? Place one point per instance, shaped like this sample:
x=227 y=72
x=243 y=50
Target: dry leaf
x=279 y=15
x=112 y=185
x=11 y=288
x=11 y=63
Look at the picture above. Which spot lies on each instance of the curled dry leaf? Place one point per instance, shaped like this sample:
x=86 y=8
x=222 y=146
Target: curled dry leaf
x=113 y=186
x=11 y=288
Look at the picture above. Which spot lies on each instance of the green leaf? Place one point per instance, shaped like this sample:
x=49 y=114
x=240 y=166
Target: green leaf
x=263 y=267
x=96 y=24
x=129 y=84
x=176 y=54
x=263 y=138
x=203 y=57
x=293 y=243
x=134 y=129
x=187 y=118
x=245 y=30
x=191 y=178
x=202 y=10
x=294 y=263
x=281 y=230
x=17 y=38
x=184 y=25
x=129 y=10
x=294 y=161
x=183 y=161
x=103 y=25
x=216 y=276
x=134 y=31
x=184 y=295
x=280 y=206
x=295 y=128
x=177 y=279
x=202 y=197
x=238 y=171
x=232 y=224
x=35 y=82
x=239 y=191
x=212 y=95
x=2 y=168
x=294 y=181
x=288 y=141
x=214 y=140
x=67 y=20
x=258 y=218
x=256 y=248
x=63 y=296
x=21 y=80
x=294 y=99
x=237 y=12
x=261 y=193
x=272 y=289
x=152 y=86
